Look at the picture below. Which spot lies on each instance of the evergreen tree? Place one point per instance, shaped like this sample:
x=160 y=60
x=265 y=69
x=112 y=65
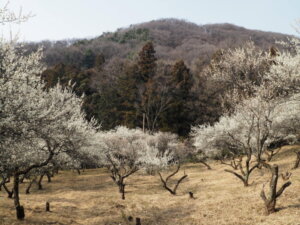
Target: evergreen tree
x=178 y=117
x=128 y=94
x=59 y=73
x=89 y=59
x=147 y=62
x=99 y=62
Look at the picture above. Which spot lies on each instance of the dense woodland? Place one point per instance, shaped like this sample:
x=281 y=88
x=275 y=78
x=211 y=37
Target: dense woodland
x=158 y=69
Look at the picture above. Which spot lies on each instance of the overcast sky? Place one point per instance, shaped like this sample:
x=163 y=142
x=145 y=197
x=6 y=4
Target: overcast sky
x=63 y=19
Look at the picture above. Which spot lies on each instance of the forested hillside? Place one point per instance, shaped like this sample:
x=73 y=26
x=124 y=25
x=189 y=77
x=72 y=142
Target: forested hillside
x=157 y=69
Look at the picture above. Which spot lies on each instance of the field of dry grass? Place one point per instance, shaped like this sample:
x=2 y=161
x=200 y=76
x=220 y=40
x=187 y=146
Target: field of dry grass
x=93 y=199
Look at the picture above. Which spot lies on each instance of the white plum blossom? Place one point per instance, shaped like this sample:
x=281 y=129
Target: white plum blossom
x=125 y=151
x=36 y=124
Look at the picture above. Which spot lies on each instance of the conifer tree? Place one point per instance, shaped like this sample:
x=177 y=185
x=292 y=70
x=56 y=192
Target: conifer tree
x=128 y=95
x=147 y=62
x=177 y=118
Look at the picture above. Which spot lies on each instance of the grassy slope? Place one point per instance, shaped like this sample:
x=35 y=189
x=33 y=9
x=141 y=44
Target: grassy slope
x=92 y=198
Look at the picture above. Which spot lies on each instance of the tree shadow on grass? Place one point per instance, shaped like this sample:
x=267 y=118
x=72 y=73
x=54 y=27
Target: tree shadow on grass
x=170 y=215
x=297 y=206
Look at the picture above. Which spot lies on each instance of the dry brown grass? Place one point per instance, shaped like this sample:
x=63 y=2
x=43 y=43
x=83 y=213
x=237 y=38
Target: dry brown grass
x=93 y=199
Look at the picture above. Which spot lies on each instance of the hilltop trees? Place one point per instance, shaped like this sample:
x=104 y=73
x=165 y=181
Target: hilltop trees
x=153 y=96
x=128 y=93
x=137 y=91
x=147 y=62
x=148 y=89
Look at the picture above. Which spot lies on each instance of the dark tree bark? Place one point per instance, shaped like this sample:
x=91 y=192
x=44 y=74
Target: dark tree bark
x=138 y=221
x=271 y=153
x=122 y=190
x=29 y=186
x=16 y=175
x=191 y=195
x=165 y=181
x=40 y=187
x=297 y=162
x=118 y=175
x=205 y=164
x=20 y=212
x=48 y=177
x=47 y=207
x=235 y=163
x=120 y=181
x=19 y=209
x=246 y=171
x=9 y=193
x=286 y=175
x=270 y=200
x=22 y=179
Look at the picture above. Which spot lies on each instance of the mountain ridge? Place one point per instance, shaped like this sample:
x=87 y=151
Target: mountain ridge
x=173 y=39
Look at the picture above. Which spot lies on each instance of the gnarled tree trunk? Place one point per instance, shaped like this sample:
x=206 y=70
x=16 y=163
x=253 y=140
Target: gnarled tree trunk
x=9 y=193
x=29 y=186
x=270 y=200
x=297 y=162
x=165 y=181
x=246 y=171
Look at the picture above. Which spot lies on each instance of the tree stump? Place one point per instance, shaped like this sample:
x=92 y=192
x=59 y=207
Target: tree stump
x=138 y=221
x=191 y=195
x=47 y=207
x=130 y=218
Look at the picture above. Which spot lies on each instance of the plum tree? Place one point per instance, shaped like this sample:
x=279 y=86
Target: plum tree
x=125 y=151
x=35 y=124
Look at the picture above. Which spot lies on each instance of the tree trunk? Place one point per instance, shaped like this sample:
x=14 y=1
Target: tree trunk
x=29 y=187
x=244 y=178
x=245 y=172
x=48 y=176
x=122 y=188
x=9 y=193
x=165 y=181
x=47 y=207
x=205 y=164
x=19 y=209
x=40 y=187
x=270 y=201
x=22 y=179
x=297 y=162
x=270 y=206
x=246 y=181
x=138 y=221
